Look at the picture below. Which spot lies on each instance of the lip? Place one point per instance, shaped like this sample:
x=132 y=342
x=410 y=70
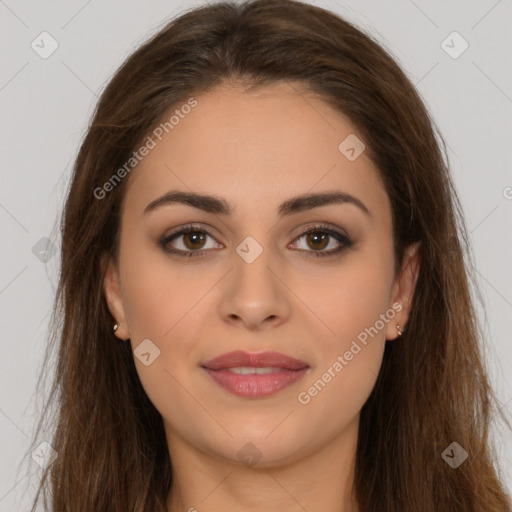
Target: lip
x=288 y=371
x=256 y=360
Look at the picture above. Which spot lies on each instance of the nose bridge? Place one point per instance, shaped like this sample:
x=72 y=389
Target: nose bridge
x=254 y=292
x=251 y=277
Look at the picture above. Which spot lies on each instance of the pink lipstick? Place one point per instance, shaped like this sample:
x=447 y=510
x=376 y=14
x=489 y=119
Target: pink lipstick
x=255 y=375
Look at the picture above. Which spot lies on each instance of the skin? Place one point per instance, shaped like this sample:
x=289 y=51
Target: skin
x=257 y=150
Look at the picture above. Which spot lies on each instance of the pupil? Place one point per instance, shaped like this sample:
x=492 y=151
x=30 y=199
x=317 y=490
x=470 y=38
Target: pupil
x=197 y=237
x=316 y=238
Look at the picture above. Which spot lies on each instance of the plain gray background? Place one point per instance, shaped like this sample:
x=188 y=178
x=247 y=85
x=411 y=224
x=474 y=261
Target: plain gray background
x=46 y=105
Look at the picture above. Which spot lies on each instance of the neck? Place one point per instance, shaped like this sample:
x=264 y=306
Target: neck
x=321 y=479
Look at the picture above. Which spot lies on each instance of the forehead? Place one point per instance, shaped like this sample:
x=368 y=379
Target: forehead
x=271 y=143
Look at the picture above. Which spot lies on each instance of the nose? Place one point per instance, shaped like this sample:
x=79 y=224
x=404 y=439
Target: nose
x=254 y=295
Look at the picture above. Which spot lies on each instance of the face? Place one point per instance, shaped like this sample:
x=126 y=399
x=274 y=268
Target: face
x=246 y=277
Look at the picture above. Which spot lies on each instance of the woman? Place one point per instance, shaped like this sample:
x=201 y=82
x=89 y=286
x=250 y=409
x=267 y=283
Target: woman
x=263 y=293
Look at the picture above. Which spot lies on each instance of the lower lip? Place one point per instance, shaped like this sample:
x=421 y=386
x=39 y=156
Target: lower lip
x=254 y=385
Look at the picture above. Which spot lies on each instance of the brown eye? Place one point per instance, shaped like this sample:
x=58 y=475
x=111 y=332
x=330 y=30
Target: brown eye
x=189 y=241
x=194 y=239
x=317 y=240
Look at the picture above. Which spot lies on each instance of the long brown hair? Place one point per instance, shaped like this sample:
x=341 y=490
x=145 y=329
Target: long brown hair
x=433 y=388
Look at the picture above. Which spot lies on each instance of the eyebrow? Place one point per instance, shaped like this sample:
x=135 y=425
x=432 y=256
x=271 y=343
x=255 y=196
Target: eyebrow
x=218 y=205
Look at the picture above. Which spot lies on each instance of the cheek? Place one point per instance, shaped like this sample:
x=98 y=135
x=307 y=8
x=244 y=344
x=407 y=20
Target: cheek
x=335 y=395
x=349 y=297
x=167 y=305
x=157 y=292
x=163 y=305
x=355 y=308
x=348 y=362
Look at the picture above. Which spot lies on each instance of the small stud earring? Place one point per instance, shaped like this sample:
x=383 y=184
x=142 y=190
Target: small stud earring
x=115 y=328
x=399 y=330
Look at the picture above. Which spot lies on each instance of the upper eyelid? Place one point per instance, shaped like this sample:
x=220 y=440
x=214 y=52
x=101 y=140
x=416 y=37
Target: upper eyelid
x=187 y=228
x=303 y=231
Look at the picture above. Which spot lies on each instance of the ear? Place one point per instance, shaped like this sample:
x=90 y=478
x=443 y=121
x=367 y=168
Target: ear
x=403 y=290
x=114 y=298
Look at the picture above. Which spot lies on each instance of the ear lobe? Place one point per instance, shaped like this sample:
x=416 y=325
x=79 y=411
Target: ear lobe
x=404 y=287
x=114 y=297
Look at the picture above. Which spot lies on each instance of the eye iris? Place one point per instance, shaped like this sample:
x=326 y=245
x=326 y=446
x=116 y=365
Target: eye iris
x=317 y=237
x=197 y=236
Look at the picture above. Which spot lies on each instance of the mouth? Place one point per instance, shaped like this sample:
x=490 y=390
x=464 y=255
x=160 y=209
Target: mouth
x=255 y=375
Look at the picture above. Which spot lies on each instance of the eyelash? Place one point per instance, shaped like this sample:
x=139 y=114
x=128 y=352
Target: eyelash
x=345 y=241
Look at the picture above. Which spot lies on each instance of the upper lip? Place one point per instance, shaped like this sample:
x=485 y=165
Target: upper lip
x=240 y=358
